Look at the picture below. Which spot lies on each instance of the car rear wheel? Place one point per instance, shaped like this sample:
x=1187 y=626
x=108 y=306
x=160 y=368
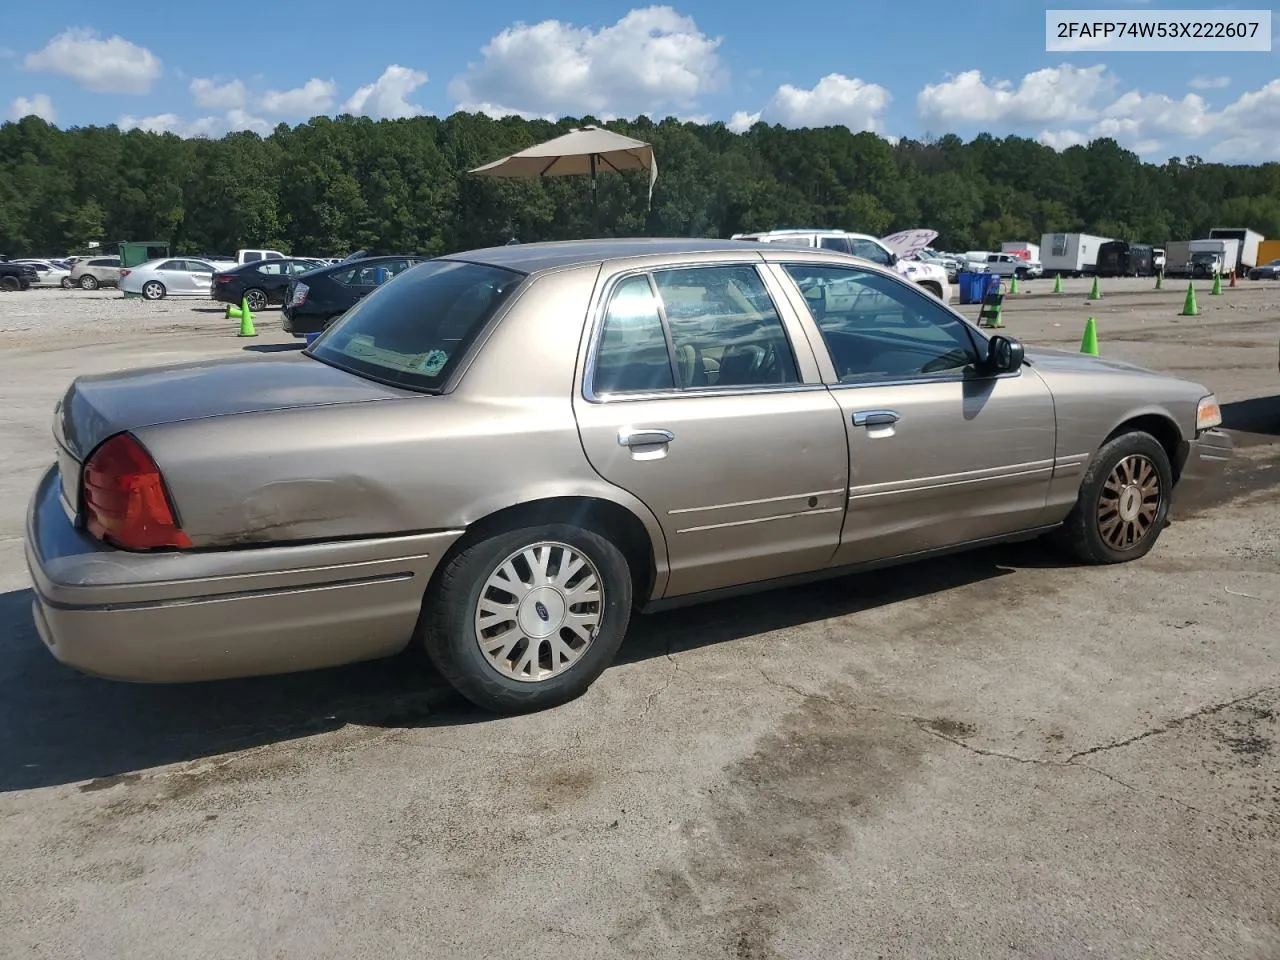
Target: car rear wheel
x=1123 y=503
x=66 y=283
x=88 y=282
x=10 y=284
x=153 y=290
x=528 y=619
x=256 y=299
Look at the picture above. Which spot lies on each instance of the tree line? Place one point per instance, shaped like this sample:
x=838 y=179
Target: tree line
x=333 y=185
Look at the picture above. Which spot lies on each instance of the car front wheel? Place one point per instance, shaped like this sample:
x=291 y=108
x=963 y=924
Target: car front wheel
x=66 y=283
x=1123 y=503
x=528 y=619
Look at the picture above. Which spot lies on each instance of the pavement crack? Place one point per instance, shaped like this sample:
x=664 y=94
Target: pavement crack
x=923 y=724
x=1173 y=724
x=799 y=691
x=671 y=676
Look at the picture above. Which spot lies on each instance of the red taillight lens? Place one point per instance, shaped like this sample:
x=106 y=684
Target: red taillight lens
x=125 y=273
x=223 y=278
x=125 y=502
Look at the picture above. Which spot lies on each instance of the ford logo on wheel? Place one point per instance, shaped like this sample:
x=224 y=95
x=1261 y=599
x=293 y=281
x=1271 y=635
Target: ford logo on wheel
x=541 y=609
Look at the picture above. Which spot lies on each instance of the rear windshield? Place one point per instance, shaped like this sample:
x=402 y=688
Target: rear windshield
x=412 y=331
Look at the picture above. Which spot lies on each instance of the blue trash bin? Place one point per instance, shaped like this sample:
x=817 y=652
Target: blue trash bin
x=990 y=281
x=972 y=286
x=310 y=338
x=380 y=275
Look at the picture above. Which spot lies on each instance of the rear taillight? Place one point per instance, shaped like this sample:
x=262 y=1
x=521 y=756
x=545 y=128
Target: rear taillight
x=125 y=502
x=299 y=295
x=125 y=273
x=223 y=278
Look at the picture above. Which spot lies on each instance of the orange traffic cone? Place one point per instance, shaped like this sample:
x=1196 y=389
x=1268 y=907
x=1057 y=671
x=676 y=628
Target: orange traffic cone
x=1233 y=279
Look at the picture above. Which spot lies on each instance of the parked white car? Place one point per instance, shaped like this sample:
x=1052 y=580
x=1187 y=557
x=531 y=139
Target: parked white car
x=48 y=274
x=931 y=276
x=170 y=277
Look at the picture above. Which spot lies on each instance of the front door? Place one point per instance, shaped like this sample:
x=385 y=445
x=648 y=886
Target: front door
x=938 y=454
x=697 y=403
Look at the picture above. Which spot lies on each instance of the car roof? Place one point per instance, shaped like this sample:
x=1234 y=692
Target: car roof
x=538 y=257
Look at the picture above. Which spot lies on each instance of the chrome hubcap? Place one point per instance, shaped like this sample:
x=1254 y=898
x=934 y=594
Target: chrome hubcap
x=539 y=612
x=152 y=290
x=1129 y=502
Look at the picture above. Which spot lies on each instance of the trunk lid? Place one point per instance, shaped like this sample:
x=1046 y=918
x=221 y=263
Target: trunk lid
x=96 y=407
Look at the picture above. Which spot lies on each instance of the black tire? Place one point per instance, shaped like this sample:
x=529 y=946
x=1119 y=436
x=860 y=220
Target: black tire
x=66 y=283
x=1083 y=533
x=448 y=630
x=153 y=290
x=10 y=284
x=88 y=282
x=257 y=299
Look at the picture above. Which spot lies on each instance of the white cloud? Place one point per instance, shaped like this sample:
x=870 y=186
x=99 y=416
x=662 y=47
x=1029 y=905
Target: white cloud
x=214 y=96
x=388 y=96
x=1061 y=139
x=652 y=60
x=211 y=126
x=39 y=105
x=1062 y=94
x=113 y=65
x=1252 y=125
x=1136 y=115
x=742 y=121
x=834 y=100
x=1208 y=83
x=312 y=98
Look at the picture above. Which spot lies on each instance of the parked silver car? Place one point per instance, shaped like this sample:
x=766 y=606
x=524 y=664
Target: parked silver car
x=499 y=453
x=94 y=272
x=168 y=277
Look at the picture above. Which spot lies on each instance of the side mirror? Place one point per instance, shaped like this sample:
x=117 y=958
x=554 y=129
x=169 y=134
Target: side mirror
x=893 y=259
x=1004 y=355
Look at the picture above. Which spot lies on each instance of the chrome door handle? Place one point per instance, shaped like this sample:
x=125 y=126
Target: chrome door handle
x=629 y=437
x=876 y=418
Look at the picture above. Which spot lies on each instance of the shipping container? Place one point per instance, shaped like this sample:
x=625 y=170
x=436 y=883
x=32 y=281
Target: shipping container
x=1070 y=254
x=1268 y=250
x=1022 y=248
x=1247 y=246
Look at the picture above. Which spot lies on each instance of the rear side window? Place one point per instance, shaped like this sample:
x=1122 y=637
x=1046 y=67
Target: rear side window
x=716 y=326
x=412 y=332
x=633 y=355
x=251 y=256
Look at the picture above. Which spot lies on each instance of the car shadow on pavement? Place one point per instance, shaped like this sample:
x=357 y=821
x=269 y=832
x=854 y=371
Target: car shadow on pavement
x=58 y=726
x=273 y=347
x=1258 y=415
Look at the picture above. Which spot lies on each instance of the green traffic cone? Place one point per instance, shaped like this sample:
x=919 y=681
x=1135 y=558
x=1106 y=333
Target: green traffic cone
x=1095 y=293
x=246 y=321
x=227 y=315
x=1217 y=286
x=1160 y=281
x=1057 y=283
x=1013 y=284
x=1089 y=342
x=1189 y=306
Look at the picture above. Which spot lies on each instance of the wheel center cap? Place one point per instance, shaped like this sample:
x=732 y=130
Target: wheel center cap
x=542 y=612
x=1130 y=503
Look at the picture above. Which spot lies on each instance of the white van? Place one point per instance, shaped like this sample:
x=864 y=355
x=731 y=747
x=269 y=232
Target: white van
x=253 y=256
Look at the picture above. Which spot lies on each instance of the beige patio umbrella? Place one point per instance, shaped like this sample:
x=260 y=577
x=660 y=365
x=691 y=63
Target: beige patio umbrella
x=581 y=152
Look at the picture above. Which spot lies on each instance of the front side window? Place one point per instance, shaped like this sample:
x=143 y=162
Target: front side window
x=198 y=266
x=835 y=243
x=877 y=327
x=413 y=332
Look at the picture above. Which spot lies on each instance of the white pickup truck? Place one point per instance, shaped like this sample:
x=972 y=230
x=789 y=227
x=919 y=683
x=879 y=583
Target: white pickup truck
x=1012 y=265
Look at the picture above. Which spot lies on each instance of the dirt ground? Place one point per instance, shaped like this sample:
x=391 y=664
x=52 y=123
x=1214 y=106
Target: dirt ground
x=992 y=755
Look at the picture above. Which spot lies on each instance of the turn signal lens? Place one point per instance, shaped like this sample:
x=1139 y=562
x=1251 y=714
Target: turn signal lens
x=1208 y=414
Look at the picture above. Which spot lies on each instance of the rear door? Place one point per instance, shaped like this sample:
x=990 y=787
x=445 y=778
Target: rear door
x=938 y=455
x=703 y=399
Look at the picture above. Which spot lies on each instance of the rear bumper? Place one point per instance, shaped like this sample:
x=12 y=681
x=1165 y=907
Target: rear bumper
x=1206 y=461
x=208 y=615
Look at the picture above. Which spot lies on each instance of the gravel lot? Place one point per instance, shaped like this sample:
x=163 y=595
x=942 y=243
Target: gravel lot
x=986 y=756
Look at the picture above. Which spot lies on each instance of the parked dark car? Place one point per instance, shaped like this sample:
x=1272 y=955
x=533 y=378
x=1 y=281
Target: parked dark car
x=263 y=283
x=17 y=276
x=315 y=299
x=1119 y=258
x=1266 y=271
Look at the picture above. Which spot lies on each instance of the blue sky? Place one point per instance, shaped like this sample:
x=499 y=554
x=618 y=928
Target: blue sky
x=899 y=69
